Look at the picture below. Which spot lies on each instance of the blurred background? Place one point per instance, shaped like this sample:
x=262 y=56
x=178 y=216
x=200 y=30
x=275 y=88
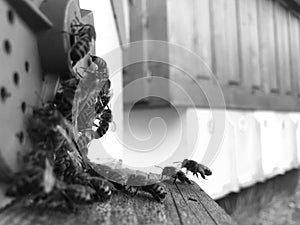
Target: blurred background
x=251 y=49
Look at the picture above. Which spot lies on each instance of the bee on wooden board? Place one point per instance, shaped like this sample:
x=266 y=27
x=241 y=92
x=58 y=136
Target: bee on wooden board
x=141 y=182
x=133 y=182
x=173 y=172
x=84 y=35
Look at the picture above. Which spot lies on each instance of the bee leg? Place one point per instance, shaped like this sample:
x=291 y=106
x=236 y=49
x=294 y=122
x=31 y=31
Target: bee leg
x=202 y=174
x=175 y=178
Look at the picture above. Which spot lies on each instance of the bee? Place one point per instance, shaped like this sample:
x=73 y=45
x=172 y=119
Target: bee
x=102 y=187
x=78 y=194
x=173 y=172
x=103 y=98
x=87 y=116
x=157 y=190
x=42 y=127
x=26 y=182
x=85 y=35
x=102 y=69
x=196 y=168
x=115 y=177
x=182 y=177
x=105 y=118
x=139 y=182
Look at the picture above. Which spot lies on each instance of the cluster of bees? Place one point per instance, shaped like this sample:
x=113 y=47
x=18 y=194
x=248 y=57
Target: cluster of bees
x=56 y=172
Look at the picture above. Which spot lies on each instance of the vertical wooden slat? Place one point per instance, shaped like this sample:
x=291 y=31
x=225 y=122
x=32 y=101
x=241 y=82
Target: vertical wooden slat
x=157 y=52
x=189 y=27
x=225 y=40
x=218 y=19
x=202 y=36
x=249 y=43
x=136 y=33
x=294 y=52
x=282 y=46
x=180 y=32
x=267 y=46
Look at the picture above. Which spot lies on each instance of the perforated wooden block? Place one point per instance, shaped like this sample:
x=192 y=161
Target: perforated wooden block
x=20 y=80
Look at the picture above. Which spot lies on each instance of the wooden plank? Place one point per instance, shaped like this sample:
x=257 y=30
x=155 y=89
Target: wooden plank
x=294 y=52
x=134 y=71
x=225 y=41
x=249 y=52
x=202 y=37
x=124 y=209
x=267 y=46
x=181 y=32
x=157 y=51
x=282 y=47
x=235 y=98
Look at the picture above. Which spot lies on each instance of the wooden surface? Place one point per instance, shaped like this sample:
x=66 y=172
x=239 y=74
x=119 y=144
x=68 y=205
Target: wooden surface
x=249 y=45
x=124 y=209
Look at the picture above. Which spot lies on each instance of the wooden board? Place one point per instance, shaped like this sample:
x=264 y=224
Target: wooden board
x=225 y=41
x=267 y=46
x=294 y=52
x=249 y=51
x=282 y=47
x=202 y=43
x=124 y=209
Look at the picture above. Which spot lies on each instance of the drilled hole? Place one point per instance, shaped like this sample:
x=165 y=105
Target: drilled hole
x=4 y=94
x=20 y=136
x=27 y=66
x=10 y=16
x=16 y=78
x=7 y=46
x=23 y=107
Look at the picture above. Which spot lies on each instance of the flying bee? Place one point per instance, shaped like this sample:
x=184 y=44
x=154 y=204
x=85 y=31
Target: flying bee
x=173 y=172
x=196 y=168
x=85 y=35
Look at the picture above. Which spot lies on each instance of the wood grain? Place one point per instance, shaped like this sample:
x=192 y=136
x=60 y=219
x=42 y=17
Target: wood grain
x=249 y=52
x=282 y=47
x=225 y=41
x=294 y=52
x=267 y=46
x=124 y=209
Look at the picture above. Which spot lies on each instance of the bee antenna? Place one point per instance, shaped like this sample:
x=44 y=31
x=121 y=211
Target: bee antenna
x=177 y=162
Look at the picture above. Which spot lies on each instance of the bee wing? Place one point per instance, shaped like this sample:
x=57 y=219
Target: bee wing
x=49 y=178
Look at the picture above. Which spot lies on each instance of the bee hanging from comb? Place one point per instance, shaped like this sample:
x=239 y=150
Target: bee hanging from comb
x=83 y=35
